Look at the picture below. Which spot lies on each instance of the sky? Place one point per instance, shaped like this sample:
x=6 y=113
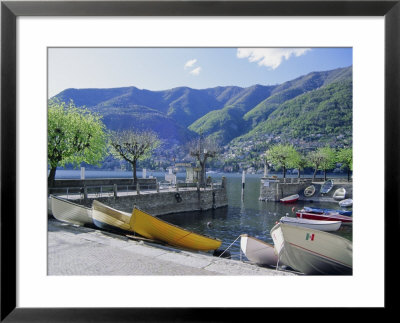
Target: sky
x=199 y=68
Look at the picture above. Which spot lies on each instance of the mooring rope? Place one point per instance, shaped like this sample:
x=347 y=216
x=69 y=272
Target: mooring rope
x=228 y=247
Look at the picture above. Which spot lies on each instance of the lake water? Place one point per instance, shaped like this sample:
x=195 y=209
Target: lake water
x=247 y=215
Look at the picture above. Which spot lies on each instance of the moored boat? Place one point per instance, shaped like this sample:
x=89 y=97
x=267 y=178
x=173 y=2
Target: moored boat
x=154 y=228
x=313 y=224
x=326 y=187
x=290 y=199
x=321 y=211
x=339 y=194
x=346 y=203
x=312 y=252
x=309 y=191
x=258 y=251
x=67 y=211
x=107 y=218
x=325 y=217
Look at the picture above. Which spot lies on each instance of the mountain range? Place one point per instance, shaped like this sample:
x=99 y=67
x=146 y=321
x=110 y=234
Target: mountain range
x=317 y=106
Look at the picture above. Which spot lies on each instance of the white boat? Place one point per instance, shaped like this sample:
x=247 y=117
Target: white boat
x=67 y=211
x=346 y=203
x=258 y=251
x=309 y=191
x=108 y=218
x=339 y=194
x=290 y=199
x=313 y=224
x=312 y=252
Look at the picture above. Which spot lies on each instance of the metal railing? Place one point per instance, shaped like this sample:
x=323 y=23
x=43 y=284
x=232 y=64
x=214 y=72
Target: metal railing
x=121 y=190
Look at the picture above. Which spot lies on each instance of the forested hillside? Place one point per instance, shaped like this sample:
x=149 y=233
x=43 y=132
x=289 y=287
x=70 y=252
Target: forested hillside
x=316 y=107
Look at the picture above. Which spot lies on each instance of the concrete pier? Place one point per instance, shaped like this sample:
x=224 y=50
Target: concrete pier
x=155 y=199
x=74 y=250
x=272 y=189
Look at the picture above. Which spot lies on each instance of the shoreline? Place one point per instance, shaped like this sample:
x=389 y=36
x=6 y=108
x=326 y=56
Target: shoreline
x=75 y=250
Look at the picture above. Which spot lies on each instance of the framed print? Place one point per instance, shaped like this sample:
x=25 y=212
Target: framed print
x=37 y=33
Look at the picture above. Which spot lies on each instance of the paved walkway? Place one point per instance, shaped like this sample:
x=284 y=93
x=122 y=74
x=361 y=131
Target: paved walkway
x=74 y=250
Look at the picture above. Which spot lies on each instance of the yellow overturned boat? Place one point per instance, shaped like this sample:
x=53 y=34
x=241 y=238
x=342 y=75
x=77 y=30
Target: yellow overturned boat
x=151 y=227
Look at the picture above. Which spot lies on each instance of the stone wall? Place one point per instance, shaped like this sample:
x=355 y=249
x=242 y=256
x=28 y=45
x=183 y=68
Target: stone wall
x=273 y=190
x=167 y=202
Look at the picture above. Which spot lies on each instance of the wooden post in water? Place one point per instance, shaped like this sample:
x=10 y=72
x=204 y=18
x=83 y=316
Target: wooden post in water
x=243 y=182
x=115 y=190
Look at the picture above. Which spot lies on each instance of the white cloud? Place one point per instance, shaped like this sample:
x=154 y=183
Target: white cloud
x=196 y=71
x=190 y=63
x=270 y=57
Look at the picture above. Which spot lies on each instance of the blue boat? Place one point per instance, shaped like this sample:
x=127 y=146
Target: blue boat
x=322 y=211
x=326 y=187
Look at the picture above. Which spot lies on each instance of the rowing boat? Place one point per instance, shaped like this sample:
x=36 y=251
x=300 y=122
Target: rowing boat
x=321 y=211
x=325 y=217
x=258 y=251
x=290 y=199
x=309 y=191
x=107 y=218
x=151 y=227
x=154 y=228
x=67 y=211
x=326 y=187
x=312 y=224
x=346 y=203
x=339 y=194
x=312 y=252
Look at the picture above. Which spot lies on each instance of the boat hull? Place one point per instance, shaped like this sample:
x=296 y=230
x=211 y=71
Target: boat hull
x=312 y=224
x=327 y=211
x=346 y=203
x=325 y=217
x=67 y=211
x=309 y=191
x=290 y=199
x=154 y=228
x=257 y=251
x=107 y=218
x=339 y=194
x=326 y=187
x=313 y=252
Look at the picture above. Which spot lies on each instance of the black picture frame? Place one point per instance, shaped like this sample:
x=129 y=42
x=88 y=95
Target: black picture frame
x=10 y=10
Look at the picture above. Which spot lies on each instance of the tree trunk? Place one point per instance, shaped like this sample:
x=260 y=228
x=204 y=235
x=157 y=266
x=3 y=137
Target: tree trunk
x=348 y=174
x=325 y=175
x=52 y=176
x=134 y=172
x=284 y=172
x=315 y=173
x=299 y=173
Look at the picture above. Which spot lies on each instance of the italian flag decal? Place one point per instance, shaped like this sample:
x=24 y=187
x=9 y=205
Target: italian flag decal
x=310 y=237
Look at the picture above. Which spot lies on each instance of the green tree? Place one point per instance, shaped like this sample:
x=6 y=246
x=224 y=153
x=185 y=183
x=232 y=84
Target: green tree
x=133 y=146
x=345 y=157
x=315 y=159
x=329 y=160
x=281 y=156
x=74 y=135
x=298 y=161
x=323 y=158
